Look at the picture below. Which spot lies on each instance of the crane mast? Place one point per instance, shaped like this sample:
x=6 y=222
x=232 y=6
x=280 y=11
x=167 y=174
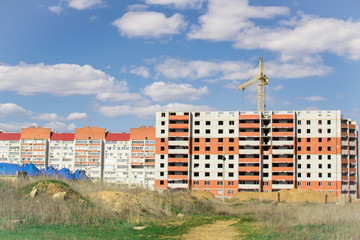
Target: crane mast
x=261 y=80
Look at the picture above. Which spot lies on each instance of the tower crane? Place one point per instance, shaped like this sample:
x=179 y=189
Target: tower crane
x=261 y=80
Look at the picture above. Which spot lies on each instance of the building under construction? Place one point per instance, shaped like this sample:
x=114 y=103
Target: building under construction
x=256 y=151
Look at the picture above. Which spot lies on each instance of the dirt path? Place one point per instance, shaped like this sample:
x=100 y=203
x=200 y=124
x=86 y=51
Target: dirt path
x=220 y=230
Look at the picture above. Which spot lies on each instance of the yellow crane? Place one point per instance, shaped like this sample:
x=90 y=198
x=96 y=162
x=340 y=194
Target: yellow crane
x=261 y=80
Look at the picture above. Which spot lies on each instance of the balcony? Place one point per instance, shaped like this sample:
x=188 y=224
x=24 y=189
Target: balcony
x=282 y=160
x=249 y=125
x=249 y=134
x=283 y=143
x=249 y=151
x=282 y=151
x=282 y=125
x=178 y=168
x=276 y=134
x=178 y=126
x=249 y=160
x=283 y=169
x=178 y=177
x=178 y=185
x=281 y=177
x=178 y=143
x=249 y=178
x=248 y=169
x=174 y=160
x=178 y=150
x=178 y=117
x=178 y=134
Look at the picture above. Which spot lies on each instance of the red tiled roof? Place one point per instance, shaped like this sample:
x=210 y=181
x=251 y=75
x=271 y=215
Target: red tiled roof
x=10 y=136
x=62 y=137
x=118 y=137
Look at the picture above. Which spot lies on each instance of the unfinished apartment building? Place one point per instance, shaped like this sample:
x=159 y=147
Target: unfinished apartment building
x=256 y=151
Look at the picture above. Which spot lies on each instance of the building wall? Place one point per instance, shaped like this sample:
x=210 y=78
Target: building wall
x=263 y=152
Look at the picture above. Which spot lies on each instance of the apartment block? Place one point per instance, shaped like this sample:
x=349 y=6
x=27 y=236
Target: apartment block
x=252 y=151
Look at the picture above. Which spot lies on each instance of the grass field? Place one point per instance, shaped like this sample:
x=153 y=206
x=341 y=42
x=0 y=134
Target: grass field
x=86 y=217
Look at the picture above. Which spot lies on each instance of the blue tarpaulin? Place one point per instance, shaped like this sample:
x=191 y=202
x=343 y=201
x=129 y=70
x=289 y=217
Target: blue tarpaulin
x=80 y=175
x=10 y=169
x=50 y=171
x=32 y=170
x=65 y=173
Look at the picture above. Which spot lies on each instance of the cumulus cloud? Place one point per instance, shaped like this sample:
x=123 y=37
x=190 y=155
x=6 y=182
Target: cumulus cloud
x=56 y=9
x=84 y=4
x=314 y=98
x=161 y=91
x=16 y=126
x=58 y=79
x=76 y=116
x=178 y=3
x=278 y=87
x=121 y=97
x=148 y=111
x=226 y=19
x=240 y=70
x=140 y=71
x=149 y=24
x=59 y=126
x=12 y=109
x=46 y=117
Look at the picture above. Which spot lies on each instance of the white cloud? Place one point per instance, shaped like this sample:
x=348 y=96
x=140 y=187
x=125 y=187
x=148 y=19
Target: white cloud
x=149 y=24
x=56 y=9
x=76 y=116
x=178 y=3
x=231 y=20
x=84 y=4
x=239 y=70
x=148 y=111
x=46 y=117
x=160 y=91
x=12 y=109
x=16 y=126
x=59 y=126
x=314 y=98
x=58 y=79
x=121 y=97
x=140 y=71
x=226 y=19
x=310 y=108
x=278 y=87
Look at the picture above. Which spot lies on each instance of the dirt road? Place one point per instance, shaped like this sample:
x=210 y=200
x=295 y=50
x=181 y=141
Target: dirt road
x=220 y=230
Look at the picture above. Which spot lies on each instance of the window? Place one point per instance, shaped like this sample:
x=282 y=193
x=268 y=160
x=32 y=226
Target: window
x=299 y=139
x=299 y=122
x=308 y=140
x=196 y=149
x=162 y=148
x=308 y=165
x=308 y=131
x=207 y=149
x=220 y=148
x=231 y=165
x=220 y=131
x=197 y=114
x=220 y=140
x=162 y=139
x=319 y=130
x=162 y=114
x=320 y=157
x=197 y=122
x=162 y=156
x=299 y=148
x=162 y=165
x=329 y=184
x=196 y=165
x=320 y=175
x=207 y=157
x=329 y=175
x=207 y=139
x=266 y=165
x=320 y=165
x=162 y=123
x=196 y=156
x=231 y=123
x=329 y=157
x=319 y=122
x=329 y=166
x=329 y=148
x=231 y=131
x=220 y=157
x=299 y=157
x=320 y=139
x=162 y=130
x=328 y=139
x=320 y=184
x=266 y=183
x=219 y=174
x=207 y=174
x=221 y=123
x=231 y=174
x=308 y=184
x=231 y=148
x=299 y=165
x=307 y=157
x=161 y=182
x=230 y=192
x=220 y=165
x=207 y=183
x=308 y=175
x=299 y=183
x=329 y=122
x=231 y=183
x=308 y=148
x=196 y=174
x=231 y=157
x=231 y=139
x=196 y=182
x=161 y=174
x=299 y=130
x=207 y=165
x=207 y=122
x=307 y=122
x=320 y=149
x=207 y=131
x=197 y=131
x=329 y=131
x=197 y=140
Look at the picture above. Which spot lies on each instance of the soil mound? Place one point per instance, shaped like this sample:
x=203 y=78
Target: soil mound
x=203 y=195
x=50 y=188
x=292 y=195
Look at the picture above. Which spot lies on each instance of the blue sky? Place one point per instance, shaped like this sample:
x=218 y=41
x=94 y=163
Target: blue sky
x=113 y=64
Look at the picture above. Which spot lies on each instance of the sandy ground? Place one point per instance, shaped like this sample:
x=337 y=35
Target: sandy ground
x=220 y=230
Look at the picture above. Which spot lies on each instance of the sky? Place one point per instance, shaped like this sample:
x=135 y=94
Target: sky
x=66 y=64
